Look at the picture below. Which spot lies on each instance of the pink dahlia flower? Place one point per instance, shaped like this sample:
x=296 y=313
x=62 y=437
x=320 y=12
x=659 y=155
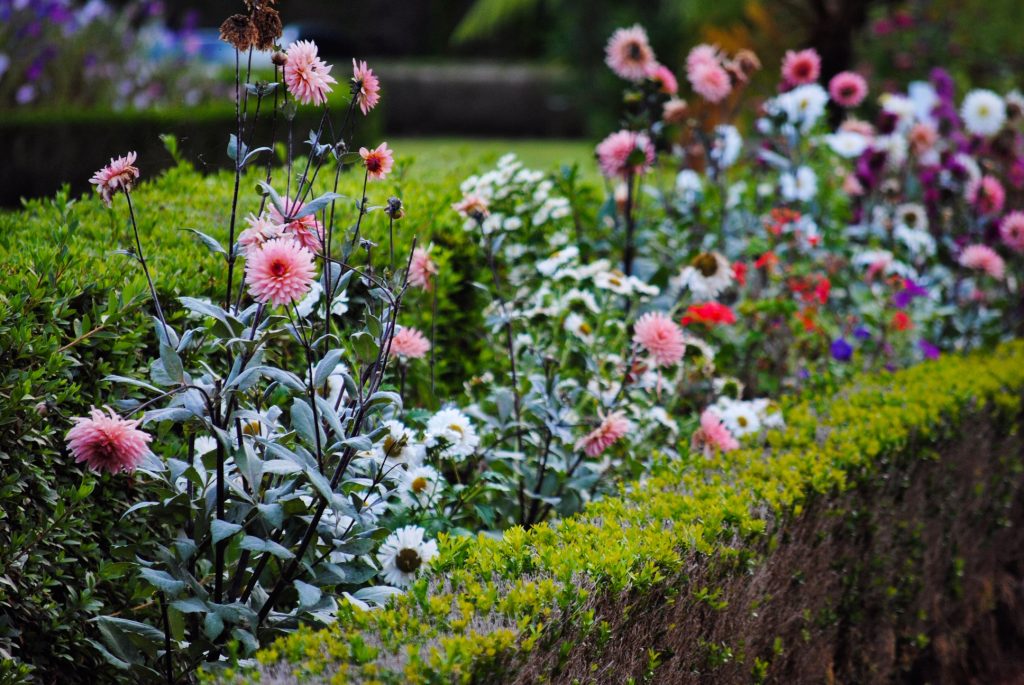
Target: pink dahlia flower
x=421 y=269
x=261 y=229
x=799 y=68
x=661 y=337
x=923 y=138
x=410 y=343
x=702 y=54
x=629 y=53
x=848 y=88
x=624 y=153
x=106 y=442
x=1011 y=230
x=712 y=435
x=612 y=427
x=307 y=230
x=986 y=195
x=983 y=258
x=664 y=77
x=307 y=76
x=280 y=272
x=366 y=86
x=378 y=161
x=120 y=174
x=710 y=81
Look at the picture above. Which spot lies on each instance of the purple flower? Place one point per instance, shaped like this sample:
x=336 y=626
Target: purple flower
x=841 y=350
x=930 y=351
x=943 y=83
x=909 y=292
x=862 y=333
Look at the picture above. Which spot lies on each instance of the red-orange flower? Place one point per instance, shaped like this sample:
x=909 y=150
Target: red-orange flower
x=901 y=322
x=709 y=313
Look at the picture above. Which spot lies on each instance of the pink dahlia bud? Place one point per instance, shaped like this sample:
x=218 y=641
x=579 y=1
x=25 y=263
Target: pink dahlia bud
x=120 y=174
x=365 y=86
x=281 y=271
x=106 y=442
x=409 y=343
x=307 y=76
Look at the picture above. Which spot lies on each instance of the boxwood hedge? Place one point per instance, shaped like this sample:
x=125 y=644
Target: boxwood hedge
x=491 y=603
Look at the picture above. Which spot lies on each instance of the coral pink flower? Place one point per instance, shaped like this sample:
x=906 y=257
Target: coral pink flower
x=852 y=185
x=307 y=76
x=983 y=258
x=1011 y=230
x=410 y=343
x=120 y=174
x=261 y=229
x=378 y=161
x=612 y=427
x=106 y=442
x=307 y=230
x=712 y=435
x=664 y=77
x=674 y=111
x=629 y=53
x=280 y=272
x=986 y=195
x=624 y=153
x=848 y=88
x=709 y=313
x=923 y=138
x=473 y=206
x=661 y=337
x=366 y=86
x=421 y=269
x=799 y=68
x=710 y=81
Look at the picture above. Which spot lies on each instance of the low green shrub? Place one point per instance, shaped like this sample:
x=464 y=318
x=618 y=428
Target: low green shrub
x=490 y=602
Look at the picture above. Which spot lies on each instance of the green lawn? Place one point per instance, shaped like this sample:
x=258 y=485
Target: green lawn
x=448 y=154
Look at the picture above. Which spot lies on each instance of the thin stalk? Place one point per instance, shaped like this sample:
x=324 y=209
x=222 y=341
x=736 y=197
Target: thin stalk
x=238 y=179
x=168 y=662
x=145 y=268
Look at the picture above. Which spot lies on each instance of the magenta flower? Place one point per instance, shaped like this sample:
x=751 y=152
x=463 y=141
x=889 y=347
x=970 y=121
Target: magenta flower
x=281 y=271
x=120 y=174
x=106 y=442
x=661 y=337
x=629 y=53
x=307 y=76
x=624 y=153
x=986 y=195
x=664 y=77
x=800 y=68
x=612 y=428
x=713 y=436
x=410 y=343
x=366 y=86
x=378 y=162
x=848 y=88
x=983 y=258
x=1011 y=231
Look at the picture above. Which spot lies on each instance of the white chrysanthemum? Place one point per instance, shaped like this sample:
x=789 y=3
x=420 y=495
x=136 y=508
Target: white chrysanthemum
x=769 y=413
x=912 y=215
x=801 y=186
x=983 y=112
x=924 y=98
x=899 y=106
x=726 y=147
x=578 y=326
x=707 y=275
x=549 y=266
x=847 y=144
x=404 y=554
x=621 y=284
x=739 y=417
x=399 y=446
x=803 y=106
x=420 y=486
x=451 y=429
x=689 y=187
x=920 y=243
x=584 y=297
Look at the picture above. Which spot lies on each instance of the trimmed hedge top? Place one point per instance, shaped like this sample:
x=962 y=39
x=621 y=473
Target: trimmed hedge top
x=488 y=602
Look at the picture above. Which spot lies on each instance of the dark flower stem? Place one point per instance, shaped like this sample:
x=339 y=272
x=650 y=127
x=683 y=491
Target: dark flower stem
x=145 y=268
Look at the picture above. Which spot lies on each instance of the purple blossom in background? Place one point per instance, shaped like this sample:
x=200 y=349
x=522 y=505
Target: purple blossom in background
x=943 y=82
x=930 y=351
x=25 y=94
x=862 y=333
x=908 y=293
x=841 y=350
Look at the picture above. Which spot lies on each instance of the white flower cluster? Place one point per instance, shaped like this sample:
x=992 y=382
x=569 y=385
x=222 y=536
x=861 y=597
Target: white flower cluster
x=514 y=195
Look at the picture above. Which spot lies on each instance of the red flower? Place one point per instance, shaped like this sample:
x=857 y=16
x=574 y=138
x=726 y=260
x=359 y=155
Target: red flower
x=822 y=289
x=766 y=261
x=709 y=313
x=739 y=272
x=901 y=322
x=806 y=317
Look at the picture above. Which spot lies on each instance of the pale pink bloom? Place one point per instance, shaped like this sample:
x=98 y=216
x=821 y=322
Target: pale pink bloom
x=674 y=111
x=629 y=53
x=409 y=343
x=473 y=206
x=712 y=435
x=860 y=126
x=848 y=88
x=612 y=427
x=986 y=195
x=664 y=77
x=661 y=337
x=923 y=138
x=367 y=86
x=378 y=161
x=624 y=153
x=261 y=229
x=281 y=271
x=421 y=269
x=852 y=185
x=983 y=258
x=106 y=442
x=307 y=76
x=1011 y=230
x=703 y=54
x=710 y=81
x=307 y=230
x=120 y=174
x=799 y=68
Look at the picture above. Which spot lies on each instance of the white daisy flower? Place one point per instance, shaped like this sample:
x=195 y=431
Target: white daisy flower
x=549 y=266
x=451 y=429
x=983 y=112
x=726 y=147
x=578 y=326
x=404 y=554
x=399 y=446
x=420 y=486
x=708 y=274
x=847 y=144
x=739 y=417
x=801 y=186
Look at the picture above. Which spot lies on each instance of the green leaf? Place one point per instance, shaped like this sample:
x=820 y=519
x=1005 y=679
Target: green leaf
x=162 y=581
x=172 y=364
x=221 y=529
x=309 y=595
